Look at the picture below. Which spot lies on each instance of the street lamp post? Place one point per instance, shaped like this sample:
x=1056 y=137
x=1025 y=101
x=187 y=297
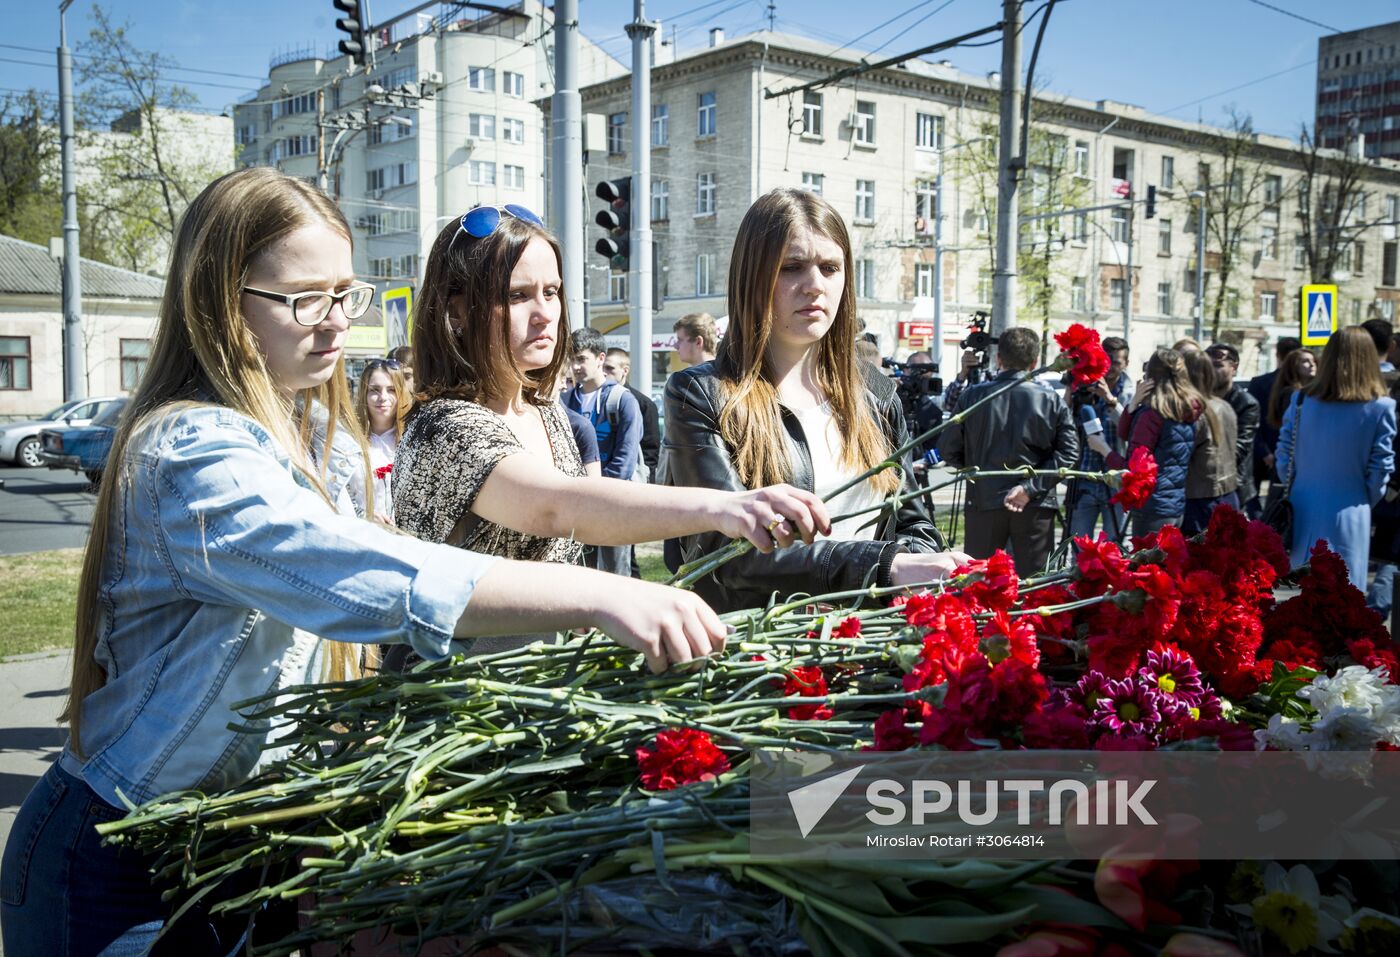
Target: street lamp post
x=1198 y=328
x=74 y=353
x=938 y=246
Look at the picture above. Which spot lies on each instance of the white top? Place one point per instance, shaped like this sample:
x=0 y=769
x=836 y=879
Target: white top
x=383 y=446
x=824 y=441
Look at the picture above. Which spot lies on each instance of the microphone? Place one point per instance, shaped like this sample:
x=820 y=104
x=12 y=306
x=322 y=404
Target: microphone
x=1093 y=425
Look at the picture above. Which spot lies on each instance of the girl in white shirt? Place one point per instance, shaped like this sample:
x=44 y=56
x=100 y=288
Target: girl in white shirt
x=383 y=402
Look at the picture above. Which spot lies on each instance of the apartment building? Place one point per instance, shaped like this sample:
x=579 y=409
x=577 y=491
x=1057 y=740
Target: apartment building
x=1358 y=89
x=446 y=118
x=873 y=144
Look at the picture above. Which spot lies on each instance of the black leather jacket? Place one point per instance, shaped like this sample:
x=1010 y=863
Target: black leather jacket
x=1026 y=425
x=697 y=455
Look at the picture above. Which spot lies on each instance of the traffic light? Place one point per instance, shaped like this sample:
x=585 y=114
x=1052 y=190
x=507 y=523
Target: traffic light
x=353 y=24
x=1151 y=201
x=616 y=219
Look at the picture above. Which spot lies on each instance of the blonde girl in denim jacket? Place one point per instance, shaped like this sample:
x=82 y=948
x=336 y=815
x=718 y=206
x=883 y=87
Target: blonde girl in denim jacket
x=224 y=543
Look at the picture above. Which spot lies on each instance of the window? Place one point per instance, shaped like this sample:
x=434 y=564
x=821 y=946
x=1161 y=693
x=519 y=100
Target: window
x=512 y=131
x=134 y=353
x=397 y=78
x=1164 y=237
x=481 y=173
x=1168 y=172
x=617 y=286
x=865 y=201
x=1268 y=241
x=513 y=84
x=1268 y=305
x=1236 y=186
x=395 y=174
x=386 y=131
x=1232 y=304
x=864 y=129
x=513 y=177
x=1389 y=252
x=813 y=182
x=660 y=125
x=301 y=145
x=984 y=284
x=292 y=105
x=660 y=200
x=811 y=113
x=1164 y=299
x=705 y=194
x=705 y=114
x=925 y=203
x=482 y=126
x=1300 y=252
x=1081 y=228
x=923 y=279
x=617 y=134
x=481 y=78
x=865 y=279
x=1273 y=190
x=704 y=274
x=1118 y=225
x=1358 y=261
x=1081 y=158
x=246 y=134
x=928 y=131
x=14 y=363
x=1117 y=294
x=1079 y=294
x=381 y=267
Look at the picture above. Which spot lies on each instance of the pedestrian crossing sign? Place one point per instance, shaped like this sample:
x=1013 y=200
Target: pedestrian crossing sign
x=1319 y=319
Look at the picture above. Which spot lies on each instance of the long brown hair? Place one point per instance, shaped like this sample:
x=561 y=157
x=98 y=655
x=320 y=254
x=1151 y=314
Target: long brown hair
x=227 y=226
x=1173 y=394
x=1287 y=382
x=477 y=364
x=1203 y=377
x=750 y=420
x=1349 y=370
x=402 y=406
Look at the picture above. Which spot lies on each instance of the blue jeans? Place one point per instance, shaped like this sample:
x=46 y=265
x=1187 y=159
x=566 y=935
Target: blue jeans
x=1088 y=511
x=63 y=894
x=1198 y=512
x=1378 y=596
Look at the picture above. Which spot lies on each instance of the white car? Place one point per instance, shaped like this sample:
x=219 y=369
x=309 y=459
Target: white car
x=19 y=441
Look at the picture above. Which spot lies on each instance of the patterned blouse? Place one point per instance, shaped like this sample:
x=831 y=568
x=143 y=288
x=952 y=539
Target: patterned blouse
x=445 y=456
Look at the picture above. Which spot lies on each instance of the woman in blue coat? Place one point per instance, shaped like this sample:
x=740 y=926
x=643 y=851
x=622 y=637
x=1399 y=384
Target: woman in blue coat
x=1336 y=441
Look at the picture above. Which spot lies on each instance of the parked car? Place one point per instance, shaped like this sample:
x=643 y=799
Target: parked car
x=19 y=441
x=83 y=449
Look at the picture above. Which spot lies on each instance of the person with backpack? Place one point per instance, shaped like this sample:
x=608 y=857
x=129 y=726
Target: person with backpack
x=487 y=461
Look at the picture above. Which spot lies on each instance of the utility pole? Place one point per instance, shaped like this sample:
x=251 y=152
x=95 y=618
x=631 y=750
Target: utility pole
x=938 y=262
x=1128 y=280
x=1009 y=171
x=74 y=354
x=1198 y=327
x=566 y=135
x=639 y=279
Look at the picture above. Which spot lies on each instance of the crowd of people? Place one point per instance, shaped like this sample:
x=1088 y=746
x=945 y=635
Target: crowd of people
x=485 y=486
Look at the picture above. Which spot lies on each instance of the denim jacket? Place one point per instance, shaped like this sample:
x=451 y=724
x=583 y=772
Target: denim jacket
x=222 y=566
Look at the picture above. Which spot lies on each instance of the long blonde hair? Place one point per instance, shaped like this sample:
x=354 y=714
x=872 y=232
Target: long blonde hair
x=235 y=219
x=750 y=421
x=1173 y=394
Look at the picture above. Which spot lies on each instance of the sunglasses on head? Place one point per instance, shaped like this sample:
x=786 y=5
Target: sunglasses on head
x=383 y=364
x=483 y=220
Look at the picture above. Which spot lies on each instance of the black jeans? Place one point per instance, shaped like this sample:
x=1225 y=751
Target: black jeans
x=1030 y=533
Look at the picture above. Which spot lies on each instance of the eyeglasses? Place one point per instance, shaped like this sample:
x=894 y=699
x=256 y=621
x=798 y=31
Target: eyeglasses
x=311 y=308
x=383 y=364
x=483 y=220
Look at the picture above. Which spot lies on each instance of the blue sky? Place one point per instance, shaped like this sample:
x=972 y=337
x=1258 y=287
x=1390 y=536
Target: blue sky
x=1189 y=58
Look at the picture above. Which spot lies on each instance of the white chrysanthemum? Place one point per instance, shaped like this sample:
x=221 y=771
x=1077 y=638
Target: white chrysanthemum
x=1282 y=734
x=1354 y=688
x=1343 y=729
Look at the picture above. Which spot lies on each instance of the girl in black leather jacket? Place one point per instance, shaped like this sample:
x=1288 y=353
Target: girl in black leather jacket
x=787 y=401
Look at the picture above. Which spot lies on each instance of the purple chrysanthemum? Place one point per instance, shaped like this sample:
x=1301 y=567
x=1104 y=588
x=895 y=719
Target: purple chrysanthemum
x=1128 y=707
x=1087 y=691
x=1173 y=675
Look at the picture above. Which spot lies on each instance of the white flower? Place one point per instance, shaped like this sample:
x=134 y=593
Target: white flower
x=1343 y=729
x=1354 y=688
x=1282 y=734
x=1293 y=909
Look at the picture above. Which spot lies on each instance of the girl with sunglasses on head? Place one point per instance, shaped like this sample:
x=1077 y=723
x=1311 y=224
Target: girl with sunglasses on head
x=787 y=400
x=382 y=402
x=223 y=544
x=488 y=462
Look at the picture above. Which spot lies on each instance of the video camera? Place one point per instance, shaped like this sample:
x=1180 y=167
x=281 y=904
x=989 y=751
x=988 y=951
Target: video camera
x=916 y=383
x=980 y=342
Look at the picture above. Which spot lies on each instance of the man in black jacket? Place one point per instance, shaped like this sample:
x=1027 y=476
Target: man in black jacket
x=1226 y=359
x=1267 y=436
x=1026 y=424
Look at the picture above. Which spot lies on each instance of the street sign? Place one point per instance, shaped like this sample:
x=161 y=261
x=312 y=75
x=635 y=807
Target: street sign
x=912 y=330
x=1319 y=315
x=398 y=313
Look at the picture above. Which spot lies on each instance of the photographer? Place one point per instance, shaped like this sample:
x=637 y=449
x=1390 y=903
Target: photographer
x=917 y=385
x=1025 y=425
x=974 y=367
x=1096 y=408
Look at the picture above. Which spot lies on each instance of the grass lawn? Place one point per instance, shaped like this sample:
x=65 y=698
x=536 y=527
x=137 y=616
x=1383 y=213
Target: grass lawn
x=39 y=594
x=653 y=567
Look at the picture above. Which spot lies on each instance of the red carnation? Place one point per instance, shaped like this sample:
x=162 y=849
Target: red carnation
x=892 y=732
x=850 y=628
x=1081 y=344
x=941 y=613
x=383 y=470
x=993 y=583
x=680 y=756
x=1138 y=482
x=807 y=681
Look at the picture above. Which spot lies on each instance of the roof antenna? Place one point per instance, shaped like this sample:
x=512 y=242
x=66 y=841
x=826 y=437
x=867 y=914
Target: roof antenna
x=772 y=14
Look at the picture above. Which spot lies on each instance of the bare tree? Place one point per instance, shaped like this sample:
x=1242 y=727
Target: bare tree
x=1235 y=204
x=1330 y=202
